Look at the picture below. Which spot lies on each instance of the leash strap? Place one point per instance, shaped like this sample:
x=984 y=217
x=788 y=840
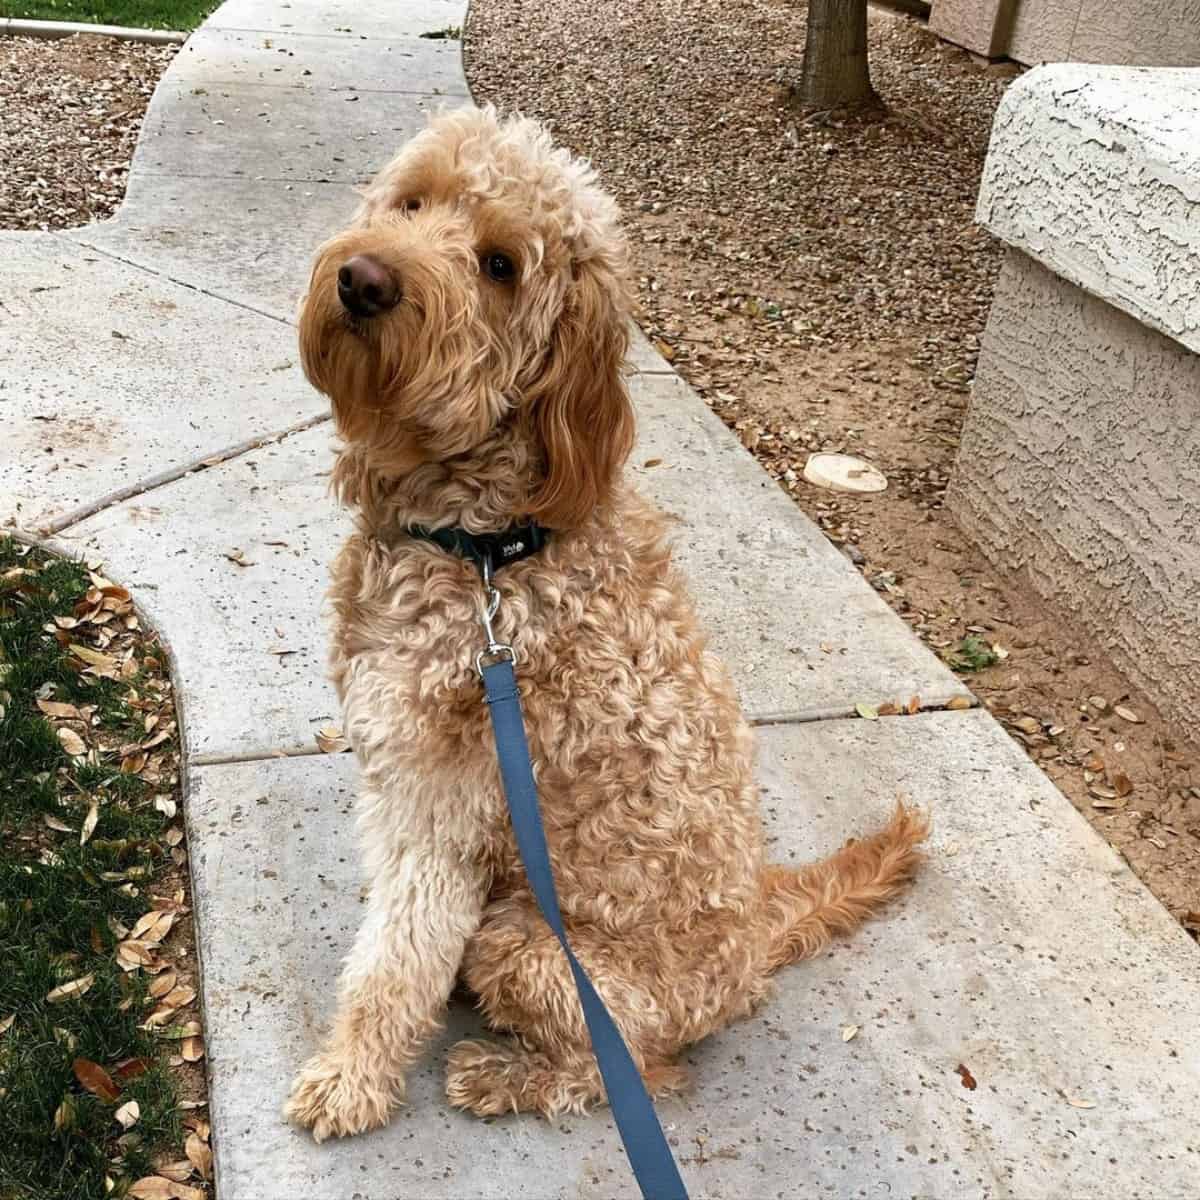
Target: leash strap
x=649 y=1155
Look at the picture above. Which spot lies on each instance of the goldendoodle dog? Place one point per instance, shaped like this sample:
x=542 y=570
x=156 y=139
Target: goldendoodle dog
x=470 y=328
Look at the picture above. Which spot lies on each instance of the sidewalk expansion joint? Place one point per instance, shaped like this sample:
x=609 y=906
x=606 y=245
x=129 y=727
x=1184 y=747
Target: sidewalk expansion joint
x=346 y=87
x=253 y=756
x=807 y=717
x=154 y=482
x=210 y=27
x=185 y=283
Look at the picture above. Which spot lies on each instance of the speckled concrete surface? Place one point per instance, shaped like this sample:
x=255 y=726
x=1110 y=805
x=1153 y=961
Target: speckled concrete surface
x=1026 y=953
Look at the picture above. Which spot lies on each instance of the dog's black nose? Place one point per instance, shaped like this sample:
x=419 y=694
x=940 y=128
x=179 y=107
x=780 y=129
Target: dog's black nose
x=366 y=287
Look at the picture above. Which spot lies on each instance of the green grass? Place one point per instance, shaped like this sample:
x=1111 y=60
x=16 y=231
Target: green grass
x=58 y=902
x=141 y=14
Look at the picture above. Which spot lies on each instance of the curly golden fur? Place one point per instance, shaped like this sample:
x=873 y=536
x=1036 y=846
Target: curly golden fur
x=476 y=401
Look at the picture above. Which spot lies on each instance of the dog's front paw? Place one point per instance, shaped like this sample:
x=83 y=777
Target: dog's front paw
x=334 y=1099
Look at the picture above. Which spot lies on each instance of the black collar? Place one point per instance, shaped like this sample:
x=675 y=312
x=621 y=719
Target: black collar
x=496 y=549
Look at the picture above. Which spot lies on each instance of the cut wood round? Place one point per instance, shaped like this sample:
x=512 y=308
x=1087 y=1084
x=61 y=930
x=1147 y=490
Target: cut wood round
x=843 y=473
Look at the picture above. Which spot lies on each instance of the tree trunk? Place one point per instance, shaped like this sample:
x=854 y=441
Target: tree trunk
x=835 y=72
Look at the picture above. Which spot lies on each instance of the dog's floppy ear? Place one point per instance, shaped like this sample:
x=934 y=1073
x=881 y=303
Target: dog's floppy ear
x=579 y=406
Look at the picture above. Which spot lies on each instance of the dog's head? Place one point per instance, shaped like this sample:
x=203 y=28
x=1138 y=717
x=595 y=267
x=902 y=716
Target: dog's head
x=481 y=289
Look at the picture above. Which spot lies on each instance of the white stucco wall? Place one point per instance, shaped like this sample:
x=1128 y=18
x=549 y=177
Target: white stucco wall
x=1095 y=172
x=1079 y=464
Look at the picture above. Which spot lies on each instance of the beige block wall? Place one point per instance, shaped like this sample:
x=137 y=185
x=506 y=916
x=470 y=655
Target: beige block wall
x=1149 y=33
x=1153 y=33
x=979 y=25
x=1080 y=467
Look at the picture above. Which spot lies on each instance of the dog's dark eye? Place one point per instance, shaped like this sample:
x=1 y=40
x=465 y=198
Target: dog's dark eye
x=499 y=267
x=411 y=205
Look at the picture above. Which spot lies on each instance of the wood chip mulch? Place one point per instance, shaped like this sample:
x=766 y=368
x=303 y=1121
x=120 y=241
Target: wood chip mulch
x=70 y=112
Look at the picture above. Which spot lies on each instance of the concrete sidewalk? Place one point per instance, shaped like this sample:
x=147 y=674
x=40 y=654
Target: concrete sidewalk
x=156 y=417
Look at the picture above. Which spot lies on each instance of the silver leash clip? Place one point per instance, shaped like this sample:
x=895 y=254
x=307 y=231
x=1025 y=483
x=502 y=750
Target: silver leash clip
x=491 y=606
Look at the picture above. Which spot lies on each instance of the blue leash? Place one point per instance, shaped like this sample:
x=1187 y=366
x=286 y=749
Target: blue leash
x=649 y=1155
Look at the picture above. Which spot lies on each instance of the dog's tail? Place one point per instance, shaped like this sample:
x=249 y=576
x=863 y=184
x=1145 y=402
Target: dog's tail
x=807 y=907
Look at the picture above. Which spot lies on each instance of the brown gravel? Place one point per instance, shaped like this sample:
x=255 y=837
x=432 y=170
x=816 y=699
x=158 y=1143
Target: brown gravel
x=819 y=280
x=70 y=111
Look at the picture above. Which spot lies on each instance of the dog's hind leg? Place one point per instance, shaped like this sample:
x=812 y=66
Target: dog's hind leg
x=516 y=967
x=491 y=1078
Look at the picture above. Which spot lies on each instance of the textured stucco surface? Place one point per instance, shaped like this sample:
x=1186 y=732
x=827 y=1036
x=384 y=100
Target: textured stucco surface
x=979 y=25
x=1041 y=30
x=1080 y=464
x=1095 y=172
x=1148 y=33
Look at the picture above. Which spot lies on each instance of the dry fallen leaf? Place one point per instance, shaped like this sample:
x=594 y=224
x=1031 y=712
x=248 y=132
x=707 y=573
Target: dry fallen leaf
x=71 y=742
x=161 y=985
x=968 y=1080
x=331 y=740
x=914 y=705
x=52 y=708
x=152 y=1187
x=957 y=703
x=103 y=663
x=153 y=926
x=866 y=712
x=7 y=1022
x=177 y=1172
x=1028 y=725
x=127 y=1115
x=57 y=825
x=130 y=1068
x=1127 y=714
x=1076 y=1102
x=71 y=989
x=89 y=822
x=1122 y=783
x=199 y=1155
x=64 y=1115
x=132 y=954
x=180 y=996
x=133 y=764
x=96 y=1079
x=165 y=805
x=192 y=1049
x=197 y=1124
x=238 y=556
x=849 y=1032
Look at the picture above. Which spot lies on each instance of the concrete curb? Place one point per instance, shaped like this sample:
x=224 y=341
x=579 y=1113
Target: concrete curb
x=52 y=30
